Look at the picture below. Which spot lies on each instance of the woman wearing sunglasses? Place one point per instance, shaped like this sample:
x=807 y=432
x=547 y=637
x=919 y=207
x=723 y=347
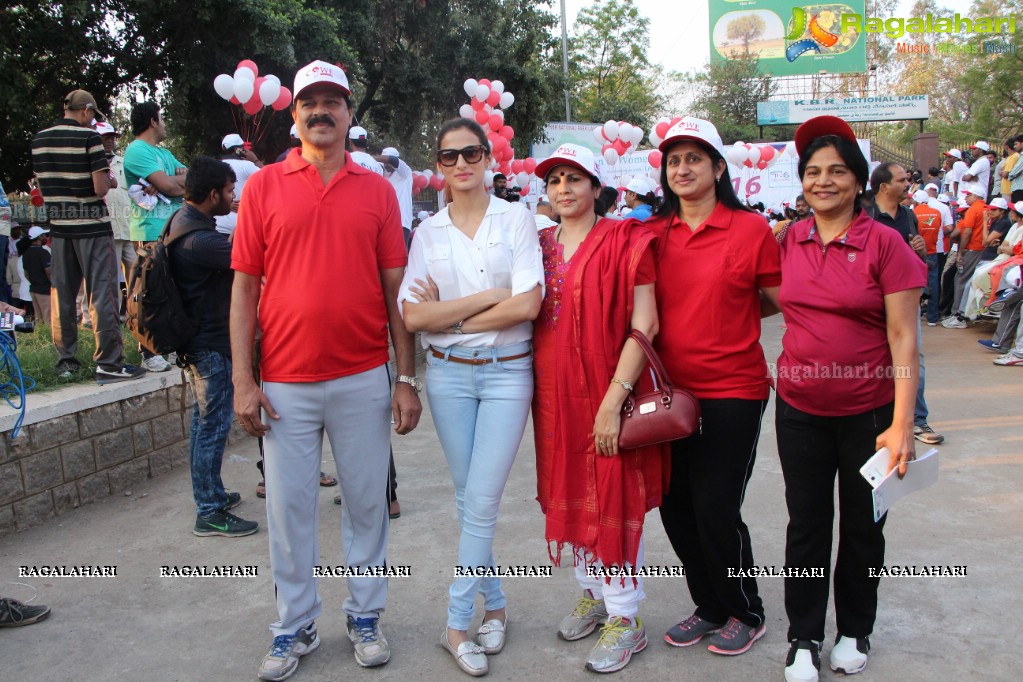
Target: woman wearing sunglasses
x=600 y=285
x=473 y=285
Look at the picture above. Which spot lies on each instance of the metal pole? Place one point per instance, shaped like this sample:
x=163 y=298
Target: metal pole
x=564 y=60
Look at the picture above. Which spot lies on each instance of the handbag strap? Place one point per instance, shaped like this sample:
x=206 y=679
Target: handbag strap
x=655 y=361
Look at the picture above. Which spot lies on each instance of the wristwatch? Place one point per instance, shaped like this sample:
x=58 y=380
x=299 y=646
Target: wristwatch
x=415 y=382
x=625 y=384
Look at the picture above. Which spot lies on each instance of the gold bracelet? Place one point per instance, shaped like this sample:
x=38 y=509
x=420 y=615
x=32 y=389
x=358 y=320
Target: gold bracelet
x=625 y=384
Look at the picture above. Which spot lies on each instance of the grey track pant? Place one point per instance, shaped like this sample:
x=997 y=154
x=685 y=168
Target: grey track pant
x=355 y=412
x=91 y=259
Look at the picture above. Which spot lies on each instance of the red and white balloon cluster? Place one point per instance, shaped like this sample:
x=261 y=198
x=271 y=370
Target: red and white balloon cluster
x=252 y=91
x=760 y=156
x=617 y=138
x=656 y=136
x=427 y=178
x=487 y=102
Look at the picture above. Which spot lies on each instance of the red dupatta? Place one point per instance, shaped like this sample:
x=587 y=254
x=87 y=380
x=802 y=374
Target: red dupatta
x=598 y=503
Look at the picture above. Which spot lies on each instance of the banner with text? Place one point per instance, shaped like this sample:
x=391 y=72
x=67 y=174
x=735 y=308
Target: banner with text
x=852 y=109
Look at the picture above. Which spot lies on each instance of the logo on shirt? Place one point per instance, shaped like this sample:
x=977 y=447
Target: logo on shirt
x=852 y=257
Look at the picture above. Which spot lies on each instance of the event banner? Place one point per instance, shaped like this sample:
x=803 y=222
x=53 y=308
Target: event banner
x=789 y=39
x=853 y=109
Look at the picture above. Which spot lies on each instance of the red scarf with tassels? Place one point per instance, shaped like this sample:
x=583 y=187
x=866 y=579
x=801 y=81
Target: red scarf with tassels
x=598 y=503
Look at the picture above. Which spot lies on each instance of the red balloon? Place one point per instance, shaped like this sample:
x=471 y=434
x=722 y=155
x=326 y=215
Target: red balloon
x=484 y=81
x=481 y=117
x=235 y=100
x=251 y=64
x=495 y=122
x=517 y=166
x=419 y=182
x=619 y=147
x=747 y=163
x=37 y=200
x=437 y=181
x=476 y=104
x=655 y=158
x=605 y=147
x=662 y=129
x=761 y=164
x=508 y=154
x=283 y=100
x=767 y=152
x=253 y=106
x=529 y=165
x=525 y=190
x=507 y=133
x=494 y=98
x=499 y=144
x=505 y=167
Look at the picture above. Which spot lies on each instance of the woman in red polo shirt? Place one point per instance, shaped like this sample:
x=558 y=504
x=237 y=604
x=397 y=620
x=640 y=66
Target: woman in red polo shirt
x=715 y=260
x=846 y=387
x=599 y=284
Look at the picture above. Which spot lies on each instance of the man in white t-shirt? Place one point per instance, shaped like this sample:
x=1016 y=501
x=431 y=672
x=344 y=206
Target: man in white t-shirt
x=244 y=164
x=400 y=175
x=978 y=175
x=359 y=141
x=954 y=176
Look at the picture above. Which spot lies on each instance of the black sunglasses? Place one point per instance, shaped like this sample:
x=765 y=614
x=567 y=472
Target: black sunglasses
x=449 y=157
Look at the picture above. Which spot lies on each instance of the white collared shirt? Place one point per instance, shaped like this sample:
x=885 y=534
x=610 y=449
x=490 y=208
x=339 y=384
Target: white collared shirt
x=505 y=254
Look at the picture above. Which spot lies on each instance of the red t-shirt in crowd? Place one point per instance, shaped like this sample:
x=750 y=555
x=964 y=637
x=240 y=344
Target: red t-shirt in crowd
x=974 y=217
x=321 y=249
x=708 y=302
x=835 y=357
x=928 y=221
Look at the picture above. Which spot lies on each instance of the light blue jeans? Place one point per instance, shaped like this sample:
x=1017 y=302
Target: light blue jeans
x=480 y=413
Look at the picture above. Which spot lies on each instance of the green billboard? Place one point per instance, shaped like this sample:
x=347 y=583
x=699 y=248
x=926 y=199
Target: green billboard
x=790 y=39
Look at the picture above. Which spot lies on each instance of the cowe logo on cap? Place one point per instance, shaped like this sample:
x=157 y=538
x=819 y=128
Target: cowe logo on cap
x=565 y=150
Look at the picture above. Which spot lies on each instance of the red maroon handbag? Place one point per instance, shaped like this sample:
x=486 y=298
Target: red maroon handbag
x=663 y=414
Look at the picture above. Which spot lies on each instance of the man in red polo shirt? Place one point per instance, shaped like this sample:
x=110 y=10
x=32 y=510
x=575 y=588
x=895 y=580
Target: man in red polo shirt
x=329 y=298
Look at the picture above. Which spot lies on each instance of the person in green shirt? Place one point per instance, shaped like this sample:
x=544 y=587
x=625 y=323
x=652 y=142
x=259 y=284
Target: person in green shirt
x=145 y=159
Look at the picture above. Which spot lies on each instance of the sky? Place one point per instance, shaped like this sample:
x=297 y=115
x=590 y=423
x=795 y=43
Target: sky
x=679 y=31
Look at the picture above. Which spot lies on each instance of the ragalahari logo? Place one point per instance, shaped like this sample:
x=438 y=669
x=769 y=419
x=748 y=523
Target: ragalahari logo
x=819 y=26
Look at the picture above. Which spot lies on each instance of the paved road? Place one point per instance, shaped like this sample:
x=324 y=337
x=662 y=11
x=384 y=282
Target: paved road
x=139 y=626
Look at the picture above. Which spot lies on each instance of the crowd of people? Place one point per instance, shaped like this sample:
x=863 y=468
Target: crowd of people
x=540 y=314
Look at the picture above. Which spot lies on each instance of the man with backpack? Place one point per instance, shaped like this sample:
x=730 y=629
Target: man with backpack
x=200 y=262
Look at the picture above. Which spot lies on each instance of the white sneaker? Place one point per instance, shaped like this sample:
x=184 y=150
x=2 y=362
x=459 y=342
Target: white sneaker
x=954 y=322
x=849 y=655
x=156 y=364
x=803 y=662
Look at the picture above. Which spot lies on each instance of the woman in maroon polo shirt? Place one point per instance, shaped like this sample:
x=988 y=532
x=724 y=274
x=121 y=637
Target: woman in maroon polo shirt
x=716 y=261
x=846 y=387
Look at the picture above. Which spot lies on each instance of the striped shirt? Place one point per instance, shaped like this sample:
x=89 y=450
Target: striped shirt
x=64 y=158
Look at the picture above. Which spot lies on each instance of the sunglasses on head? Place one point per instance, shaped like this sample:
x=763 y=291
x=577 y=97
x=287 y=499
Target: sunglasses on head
x=449 y=157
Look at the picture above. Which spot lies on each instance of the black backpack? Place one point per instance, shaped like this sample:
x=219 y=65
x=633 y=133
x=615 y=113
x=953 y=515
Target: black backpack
x=156 y=315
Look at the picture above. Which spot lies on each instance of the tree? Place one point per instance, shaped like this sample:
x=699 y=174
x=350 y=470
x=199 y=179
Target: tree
x=746 y=29
x=610 y=76
x=726 y=93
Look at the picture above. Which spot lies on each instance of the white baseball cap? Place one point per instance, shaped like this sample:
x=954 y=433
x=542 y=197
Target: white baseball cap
x=232 y=140
x=955 y=154
x=357 y=133
x=104 y=128
x=943 y=198
x=921 y=196
x=931 y=185
x=639 y=185
x=569 y=155
x=1018 y=207
x=981 y=144
x=318 y=72
x=999 y=202
x=294 y=131
x=35 y=232
x=423 y=215
x=390 y=151
x=695 y=129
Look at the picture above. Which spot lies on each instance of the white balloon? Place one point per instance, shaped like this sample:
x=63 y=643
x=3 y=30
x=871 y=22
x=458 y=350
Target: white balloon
x=470 y=86
x=482 y=92
x=245 y=73
x=625 y=132
x=271 y=77
x=611 y=131
x=466 y=111
x=499 y=114
x=598 y=133
x=224 y=85
x=428 y=173
x=497 y=86
x=488 y=178
x=507 y=99
x=243 y=89
x=611 y=156
x=655 y=139
x=269 y=92
x=522 y=179
x=637 y=135
x=754 y=154
x=736 y=154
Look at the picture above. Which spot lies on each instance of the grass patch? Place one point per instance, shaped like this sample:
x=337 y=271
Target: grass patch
x=38 y=357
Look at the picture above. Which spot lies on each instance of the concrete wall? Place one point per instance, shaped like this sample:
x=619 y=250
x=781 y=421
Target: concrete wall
x=83 y=443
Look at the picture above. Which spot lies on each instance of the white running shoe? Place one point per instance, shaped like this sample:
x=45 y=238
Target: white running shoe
x=156 y=364
x=849 y=655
